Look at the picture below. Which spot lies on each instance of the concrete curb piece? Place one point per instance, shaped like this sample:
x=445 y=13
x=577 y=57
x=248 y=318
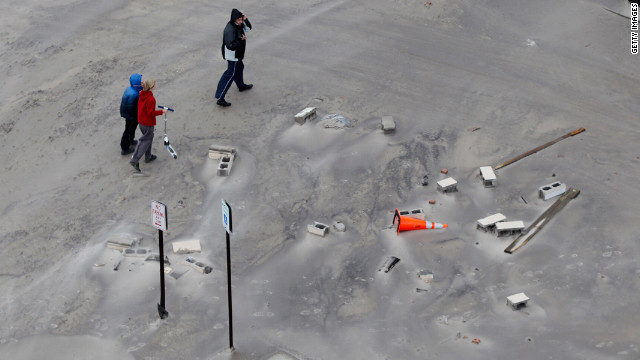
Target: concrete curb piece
x=317 y=228
x=488 y=176
x=304 y=115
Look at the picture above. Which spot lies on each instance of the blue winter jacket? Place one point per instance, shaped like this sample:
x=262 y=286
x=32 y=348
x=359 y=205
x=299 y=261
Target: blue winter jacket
x=129 y=104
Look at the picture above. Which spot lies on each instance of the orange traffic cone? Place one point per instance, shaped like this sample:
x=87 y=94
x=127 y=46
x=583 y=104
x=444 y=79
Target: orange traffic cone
x=406 y=223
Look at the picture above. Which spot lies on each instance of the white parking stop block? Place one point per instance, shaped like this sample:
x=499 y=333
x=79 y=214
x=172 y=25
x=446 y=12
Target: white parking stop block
x=488 y=176
x=448 y=185
x=509 y=227
x=517 y=301
x=415 y=213
x=304 y=115
x=388 y=125
x=489 y=222
x=554 y=189
x=317 y=228
x=187 y=246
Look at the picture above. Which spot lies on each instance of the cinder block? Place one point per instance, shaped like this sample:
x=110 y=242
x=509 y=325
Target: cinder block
x=448 y=185
x=226 y=162
x=509 y=227
x=198 y=265
x=554 y=189
x=141 y=252
x=415 y=213
x=304 y=115
x=488 y=176
x=517 y=301
x=489 y=222
x=187 y=246
x=388 y=125
x=318 y=229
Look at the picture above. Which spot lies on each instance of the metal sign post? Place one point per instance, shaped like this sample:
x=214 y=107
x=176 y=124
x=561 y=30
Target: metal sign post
x=226 y=221
x=159 y=221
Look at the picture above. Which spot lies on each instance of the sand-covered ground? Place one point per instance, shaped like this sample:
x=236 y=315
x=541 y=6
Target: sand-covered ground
x=522 y=72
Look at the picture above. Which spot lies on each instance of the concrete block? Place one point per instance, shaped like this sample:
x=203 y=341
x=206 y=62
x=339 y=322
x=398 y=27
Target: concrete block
x=198 y=265
x=388 y=125
x=448 y=185
x=517 y=301
x=187 y=246
x=489 y=222
x=123 y=241
x=318 y=229
x=217 y=151
x=339 y=226
x=415 y=213
x=554 y=189
x=509 y=227
x=141 y=252
x=488 y=176
x=306 y=114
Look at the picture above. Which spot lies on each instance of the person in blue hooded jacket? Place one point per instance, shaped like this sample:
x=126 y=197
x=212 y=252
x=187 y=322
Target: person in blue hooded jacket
x=234 y=42
x=129 y=111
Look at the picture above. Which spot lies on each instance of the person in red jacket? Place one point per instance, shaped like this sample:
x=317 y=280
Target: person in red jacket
x=147 y=120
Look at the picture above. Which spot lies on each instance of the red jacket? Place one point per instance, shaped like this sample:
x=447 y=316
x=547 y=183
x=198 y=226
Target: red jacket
x=147 y=109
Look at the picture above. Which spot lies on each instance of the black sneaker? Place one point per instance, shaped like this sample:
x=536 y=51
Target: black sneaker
x=245 y=87
x=126 y=152
x=134 y=142
x=135 y=166
x=150 y=159
x=223 y=103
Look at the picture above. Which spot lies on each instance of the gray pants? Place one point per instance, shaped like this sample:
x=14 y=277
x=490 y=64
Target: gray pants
x=144 y=144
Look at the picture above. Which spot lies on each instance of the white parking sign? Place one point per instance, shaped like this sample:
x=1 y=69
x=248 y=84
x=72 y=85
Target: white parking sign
x=159 y=215
x=226 y=216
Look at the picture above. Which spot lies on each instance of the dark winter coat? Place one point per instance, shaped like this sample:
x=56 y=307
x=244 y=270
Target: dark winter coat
x=147 y=109
x=129 y=103
x=232 y=44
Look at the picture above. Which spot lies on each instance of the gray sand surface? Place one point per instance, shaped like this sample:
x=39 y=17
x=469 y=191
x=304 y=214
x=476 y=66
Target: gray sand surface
x=522 y=72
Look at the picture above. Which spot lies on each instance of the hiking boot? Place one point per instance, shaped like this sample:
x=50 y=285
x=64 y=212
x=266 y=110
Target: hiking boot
x=150 y=158
x=126 y=152
x=245 y=87
x=135 y=166
x=223 y=103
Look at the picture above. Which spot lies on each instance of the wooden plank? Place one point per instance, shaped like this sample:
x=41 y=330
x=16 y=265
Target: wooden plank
x=542 y=220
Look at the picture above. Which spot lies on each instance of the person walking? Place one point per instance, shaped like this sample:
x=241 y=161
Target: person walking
x=129 y=111
x=234 y=41
x=147 y=119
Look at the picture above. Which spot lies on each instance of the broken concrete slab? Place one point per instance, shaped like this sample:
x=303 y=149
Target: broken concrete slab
x=186 y=247
x=552 y=190
x=448 y=185
x=489 y=222
x=304 y=115
x=509 y=227
x=517 y=301
x=488 y=176
x=218 y=151
x=388 y=124
x=198 y=265
x=123 y=241
x=426 y=276
x=317 y=228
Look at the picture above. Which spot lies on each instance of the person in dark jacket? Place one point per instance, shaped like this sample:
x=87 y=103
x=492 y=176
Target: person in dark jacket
x=234 y=41
x=129 y=111
x=147 y=119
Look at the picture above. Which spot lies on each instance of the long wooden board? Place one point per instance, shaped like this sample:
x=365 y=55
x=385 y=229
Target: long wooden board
x=542 y=220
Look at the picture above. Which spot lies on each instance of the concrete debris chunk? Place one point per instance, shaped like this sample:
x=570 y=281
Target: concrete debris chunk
x=218 y=151
x=489 y=222
x=448 y=185
x=388 y=125
x=339 y=226
x=509 y=227
x=317 y=228
x=517 y=301
x=552 y=190
x=388 y=264
x=488 y=176
x=426 y=276
x=187 y=246
x=304 y=115
x=122 y=241
x=198 y=265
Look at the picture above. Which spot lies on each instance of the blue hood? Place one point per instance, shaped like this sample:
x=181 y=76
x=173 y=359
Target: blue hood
x=136 y=81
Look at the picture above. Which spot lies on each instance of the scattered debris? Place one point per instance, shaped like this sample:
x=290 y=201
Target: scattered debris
x=448 y=185
x=532 y=151
x=425 y=180
x=542 y=220
x=415 y=213
x=389 y=263
x=418 y=290
x=176 y=275
x=489 y=223
x=140 y=252
x=509 y=227
x=336 y=121
x=187 y=246
x=522 y=197
x=117 y=265
x=488 y=176
x=156 y=257
x=552 y=190
x=444 y=171
x=98 y=265
x=517 y=301
x=317 y=228
x=200 y=266
x=122 y=241
x=218 y=151
x=388 y=124
x=432 y=201
x=304 y=115
x=475 y=341
x=426 y=276
x=475 y=128
x=339 y=226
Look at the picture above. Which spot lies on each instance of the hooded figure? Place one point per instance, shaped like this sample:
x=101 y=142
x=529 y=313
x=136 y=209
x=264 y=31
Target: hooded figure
x=129 y=111
x=234 y=42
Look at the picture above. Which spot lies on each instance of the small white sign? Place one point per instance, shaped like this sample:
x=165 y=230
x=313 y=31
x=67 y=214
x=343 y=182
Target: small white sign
x=226 y=216
x=159 y=215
